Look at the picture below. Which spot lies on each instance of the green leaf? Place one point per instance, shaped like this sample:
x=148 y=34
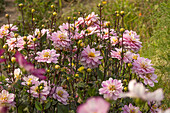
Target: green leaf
x=47 y=105
x=38 y=105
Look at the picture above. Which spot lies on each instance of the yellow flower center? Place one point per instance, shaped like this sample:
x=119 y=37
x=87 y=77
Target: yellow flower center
x=29 y=81
x=6 y=27
x=114 y=40
x=46 y=54
x=61 y=36
x=60 y=93
x=111 y=87
x=91 y=54
x=3 y=98
x=135 y=57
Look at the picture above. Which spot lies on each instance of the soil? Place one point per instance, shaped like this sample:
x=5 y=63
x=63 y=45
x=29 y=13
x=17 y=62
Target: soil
x=11 y=9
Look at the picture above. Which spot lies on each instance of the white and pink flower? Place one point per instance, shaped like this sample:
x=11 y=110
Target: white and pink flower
x=131 y=109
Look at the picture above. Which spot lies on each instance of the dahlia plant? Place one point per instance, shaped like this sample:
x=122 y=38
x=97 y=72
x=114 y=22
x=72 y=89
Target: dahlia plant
x=85 y=65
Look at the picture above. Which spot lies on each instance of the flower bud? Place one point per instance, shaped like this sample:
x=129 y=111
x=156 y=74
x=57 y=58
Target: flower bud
x=48 y=70
x=82 y=44
x=52 y=6
x=5 y=46
x=76 y=75
x=16 y=35
x=80 y=41
x=68 y=78
x=117 y=14
x=9 y=66
x=122 y=12
x=89 y=70
x=129 y=64
x=33 y=10
x=108 y=23
x=33 y=19
x=2 y=57
x=68 y=18
x=34 y=39
x=74 y=18
x=54 y=13
x=125 y=88
x=25 y=38
x=6 y=15
x=57 y=66
x=20 y=5
x=104 y=2
x=122 y=29
x=43 y=25
x=80 y=69
x=13 y=59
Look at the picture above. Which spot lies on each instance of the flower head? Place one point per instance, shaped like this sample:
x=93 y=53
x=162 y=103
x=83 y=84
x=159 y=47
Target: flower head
x=131 y=109
x=48 y=56
x=94 y=105
x=111 y=89
x=1 y=53
x=90 y=58
x=30 y=80
x=61 y=95
x=6 y=97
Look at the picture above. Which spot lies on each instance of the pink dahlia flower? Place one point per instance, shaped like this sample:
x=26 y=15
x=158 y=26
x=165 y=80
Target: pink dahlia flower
x=91 y=18
x=153 y=107
x=90 y=58
x=61 y=39
x=30 y=80
x=41 y=89
x=11 y=27
x=149 y=79
x=131 y=109
x=142 y=66
x=111 y=89
x=61 y=95
x=116 y=54
x=6 y=97
x=131 y=41
x=80 y=23
x=113 y=40
x=94 y=105
x=91 y=30
x=48 y=56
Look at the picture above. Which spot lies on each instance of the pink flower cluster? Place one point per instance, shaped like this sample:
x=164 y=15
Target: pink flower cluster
x=131 y=109
x=111 y=89
x=90 y=58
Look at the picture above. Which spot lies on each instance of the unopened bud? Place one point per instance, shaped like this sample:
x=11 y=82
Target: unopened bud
x=104 y=2
x=122 y=12
x=13 y=59
x=16 y=35
x=20 y=5
x=52 y=6
x=54 y=13
x=43 y=25
x=25 y=38
x=48 y=71
x=122 y=29
x=57 y=66
x=82 y=44
x=2 y=57
x=33 y=10
x=9 y=66
x=129 y=64
x=125 y=88
x=33 y=19
x=80 y=41
x=76 y=75
x=34 y=39
x=89 y=70
x=68 y=18
x=117 y=14
x=5 y=46
x=6 y=15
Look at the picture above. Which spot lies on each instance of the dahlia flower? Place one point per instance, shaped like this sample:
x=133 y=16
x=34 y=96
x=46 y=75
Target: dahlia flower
x=94 y=105
x=113 y=40
x=131 y=41
x=6 y=97
x=30 y=80
x=11 y=26
x=41 y=89
x=61 y=95
x=153 y=107
x=138 y=90
x=149 y=79
x=131 y=109
x=17 y=74
x=90 y=58
x=80 y=22
x=38 y=33
x=91 y=30
x=91 y=18
x=111 y=89
x=116 y=54
x=142 y=66
x=61 y=39
x=3 y=33
x=48 y=56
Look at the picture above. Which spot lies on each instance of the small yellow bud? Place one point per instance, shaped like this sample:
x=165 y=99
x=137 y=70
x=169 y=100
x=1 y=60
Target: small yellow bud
x=54 y=13
x=16 y=35
x=99 y=5
x=13 y=59
x=117 y=14
x=89 y=70
x=2 y=57
x=41 y=87
x=34 y=39
x=108 y=23
x=129 y=65
x=125 y=88
x=82 y=44
x=33 y=10
x=124 y=80
x=122 y=29
x=48 y=71
x=25 y=38
x=21 y=4
x=74 y=18
x=104 y=2
x=80 y=69
x=9 y=66
x=68 y=18
x=76 y=75
x=57 y=66
x=33 y=19
x=80 y=41
x=120 y=109
x=52 y=6
x=68 y=78
x=122 y=12
x=6 y=15
x=5 y=46
x=43 y=25
x=79 y=13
